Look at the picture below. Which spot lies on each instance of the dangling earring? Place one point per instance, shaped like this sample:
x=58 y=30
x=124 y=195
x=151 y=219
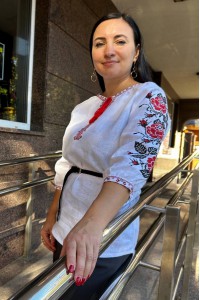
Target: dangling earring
x=134 y=72
x=94 y=76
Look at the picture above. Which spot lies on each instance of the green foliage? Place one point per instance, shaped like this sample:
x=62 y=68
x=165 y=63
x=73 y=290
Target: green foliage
x=3 y=91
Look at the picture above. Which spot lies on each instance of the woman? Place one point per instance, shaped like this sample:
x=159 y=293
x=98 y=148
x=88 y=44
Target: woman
x=113 y=138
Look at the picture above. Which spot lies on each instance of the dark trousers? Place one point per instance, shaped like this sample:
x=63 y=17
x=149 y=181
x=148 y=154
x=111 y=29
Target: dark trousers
x=106 y=270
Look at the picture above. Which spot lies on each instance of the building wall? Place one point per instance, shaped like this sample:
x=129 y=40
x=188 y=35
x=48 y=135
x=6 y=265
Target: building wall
x=188 y=110
x=61 y=79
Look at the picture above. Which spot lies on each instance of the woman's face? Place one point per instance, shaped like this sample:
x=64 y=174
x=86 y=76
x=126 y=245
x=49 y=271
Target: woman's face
x=114 y=50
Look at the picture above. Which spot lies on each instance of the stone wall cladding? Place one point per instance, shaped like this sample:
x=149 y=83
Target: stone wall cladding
x=61 y=80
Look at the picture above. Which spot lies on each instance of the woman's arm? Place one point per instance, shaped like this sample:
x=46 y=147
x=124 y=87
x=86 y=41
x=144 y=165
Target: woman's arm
x=61 y=167
x=46 y=231
x=81 y=246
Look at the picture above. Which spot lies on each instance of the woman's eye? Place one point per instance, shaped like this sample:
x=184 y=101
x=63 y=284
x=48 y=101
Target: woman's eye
x=99 y=44
x=121 y=42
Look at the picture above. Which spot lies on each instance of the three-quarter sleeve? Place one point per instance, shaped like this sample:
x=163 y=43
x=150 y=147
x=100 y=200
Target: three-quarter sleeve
x=131 y=164
x=62 y=166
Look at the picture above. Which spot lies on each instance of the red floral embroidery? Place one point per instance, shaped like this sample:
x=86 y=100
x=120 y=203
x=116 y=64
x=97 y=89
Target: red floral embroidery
x=150 y=162
x=159 y=104
x=149 y=95
x=155 y=130
x=143 y=122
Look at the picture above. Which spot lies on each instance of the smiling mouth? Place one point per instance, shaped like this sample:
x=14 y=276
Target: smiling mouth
x=109 y=62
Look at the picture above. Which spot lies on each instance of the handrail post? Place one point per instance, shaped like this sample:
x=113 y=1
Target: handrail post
x=29 y=214
x=170 y=238
x=190 y=235
x=53 y=282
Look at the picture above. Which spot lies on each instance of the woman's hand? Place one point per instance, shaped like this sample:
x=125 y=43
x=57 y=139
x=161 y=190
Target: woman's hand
x=81 y=247
x=46 y=233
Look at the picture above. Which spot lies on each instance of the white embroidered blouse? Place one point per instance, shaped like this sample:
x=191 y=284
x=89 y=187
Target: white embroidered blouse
x=122 y=144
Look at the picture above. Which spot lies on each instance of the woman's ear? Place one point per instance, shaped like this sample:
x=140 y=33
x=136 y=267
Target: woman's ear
x=137 y=53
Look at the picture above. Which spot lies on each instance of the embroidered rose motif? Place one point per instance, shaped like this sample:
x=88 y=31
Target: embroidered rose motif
x=149 y=95
x=143 y=123
x=159 y=104
x=155 y=130
x=151 y=131
x=150 y=162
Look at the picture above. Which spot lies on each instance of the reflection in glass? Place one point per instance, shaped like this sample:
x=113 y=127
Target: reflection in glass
x=15 y=18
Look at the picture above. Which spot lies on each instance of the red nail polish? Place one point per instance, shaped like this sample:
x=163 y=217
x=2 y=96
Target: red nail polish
x=71 y=269
x=78 y=281
x=83 y=281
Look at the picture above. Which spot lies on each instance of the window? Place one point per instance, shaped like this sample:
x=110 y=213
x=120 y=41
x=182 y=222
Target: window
x=16 y=60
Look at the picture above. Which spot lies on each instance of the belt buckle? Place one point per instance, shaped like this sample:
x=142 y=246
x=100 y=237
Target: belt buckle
x=79 y=170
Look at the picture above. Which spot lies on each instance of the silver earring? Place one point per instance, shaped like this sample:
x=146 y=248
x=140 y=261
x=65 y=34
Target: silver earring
x=94 y=76
x=134 y=72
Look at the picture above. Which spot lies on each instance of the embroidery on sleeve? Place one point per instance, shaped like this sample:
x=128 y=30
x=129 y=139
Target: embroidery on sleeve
x=153 y=126
x=121 y=181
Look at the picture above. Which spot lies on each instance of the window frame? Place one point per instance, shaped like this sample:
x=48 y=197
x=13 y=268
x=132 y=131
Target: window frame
x=27 y=125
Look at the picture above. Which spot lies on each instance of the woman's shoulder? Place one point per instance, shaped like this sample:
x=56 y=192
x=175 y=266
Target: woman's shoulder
x=149 y=92
x=151 y=87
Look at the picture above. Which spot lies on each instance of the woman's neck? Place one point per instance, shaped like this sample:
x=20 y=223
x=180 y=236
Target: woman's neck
x=113 y=88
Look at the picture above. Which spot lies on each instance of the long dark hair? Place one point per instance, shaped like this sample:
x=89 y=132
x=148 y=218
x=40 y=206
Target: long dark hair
x=141 y=65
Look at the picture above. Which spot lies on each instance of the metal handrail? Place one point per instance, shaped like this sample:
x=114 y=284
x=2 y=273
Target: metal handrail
x=25 y=185
x=144 y=243
x=36 y=182
x=28 y=185
x=28 y=159
x=53 y=282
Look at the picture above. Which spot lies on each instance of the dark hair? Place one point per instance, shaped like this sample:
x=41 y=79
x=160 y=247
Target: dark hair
x=141 y=65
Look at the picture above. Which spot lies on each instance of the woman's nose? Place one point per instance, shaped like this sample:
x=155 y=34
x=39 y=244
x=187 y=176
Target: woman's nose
x=109 y=50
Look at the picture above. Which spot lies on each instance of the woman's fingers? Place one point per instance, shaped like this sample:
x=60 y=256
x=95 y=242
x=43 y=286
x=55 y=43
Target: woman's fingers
x=89 y=262
x=95 y=257
x=81 y=248
x=47 y=239
x=81 y=257
x=53 y=242
x=69 y=250
x=46 y=232
x=48 y=245
x=81 y=253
